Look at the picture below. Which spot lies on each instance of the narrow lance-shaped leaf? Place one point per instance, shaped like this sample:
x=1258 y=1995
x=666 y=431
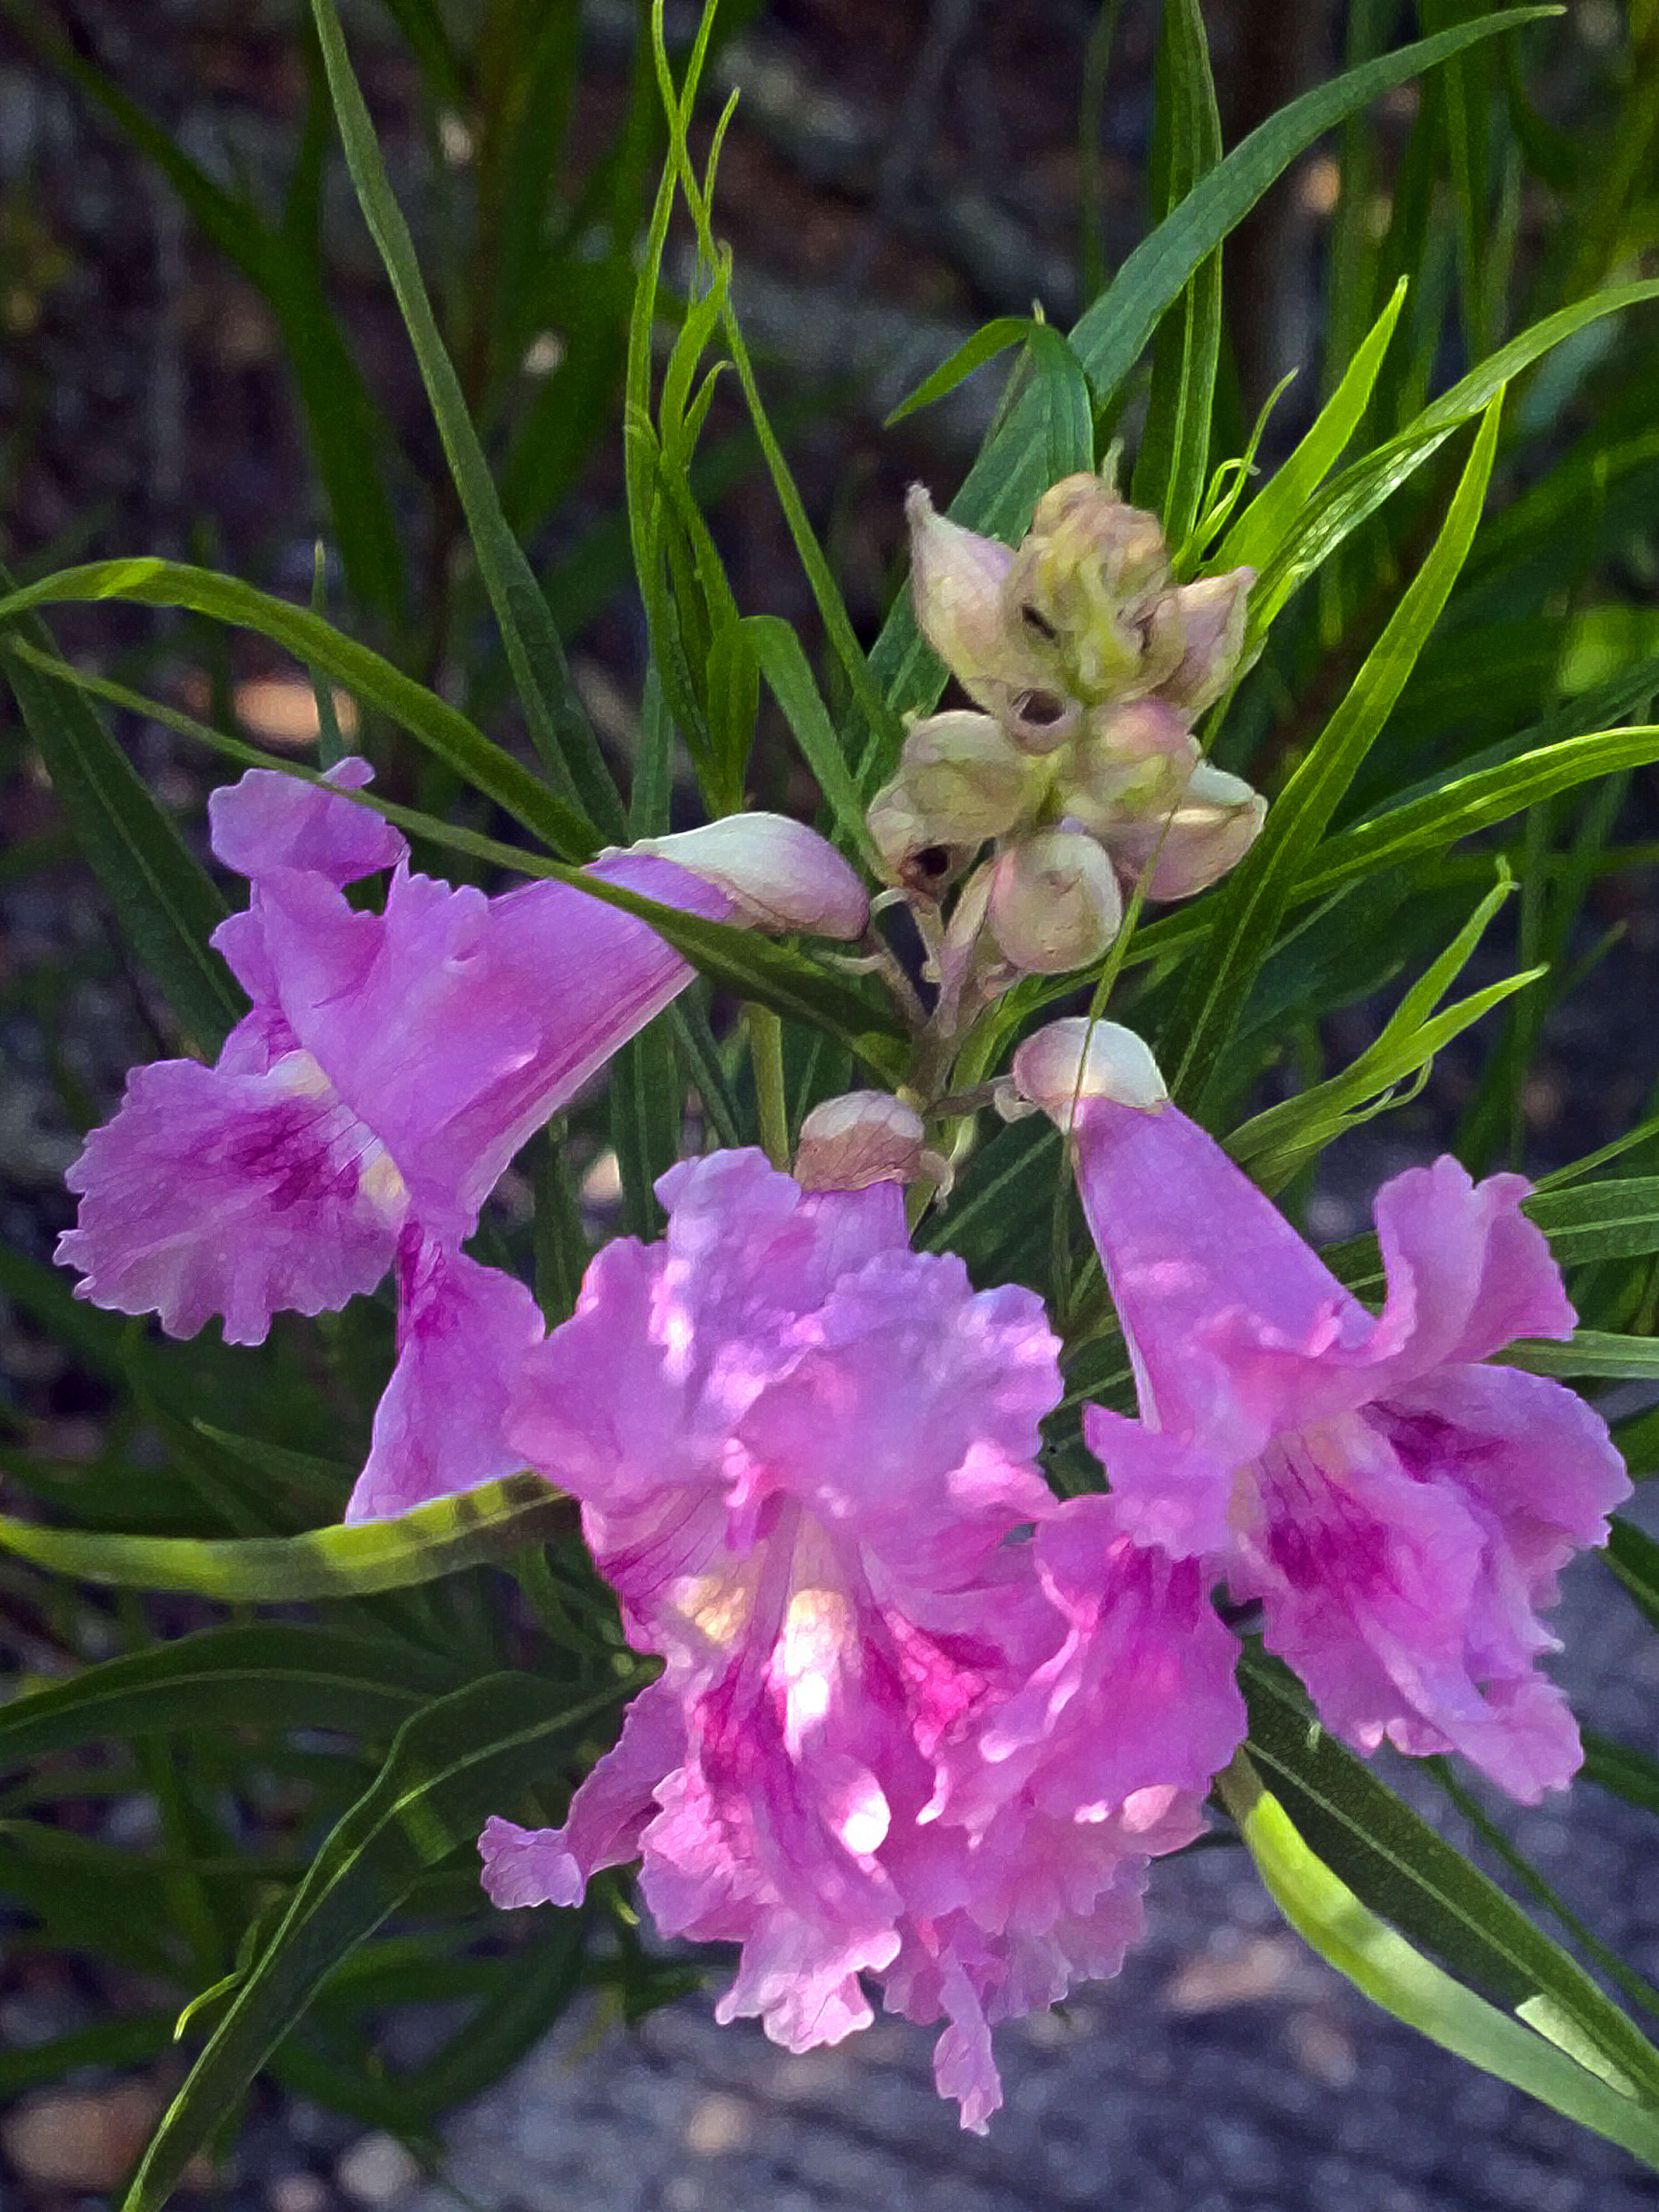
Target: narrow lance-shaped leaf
x=774 y=975
x=1333 y=1920
x=1005 y=480
x=276 y=1675
x=1173 y=462
x=1339 y=510
x=450 y=1767
x=164 y=900
x=488 y=1523
x=1247 y=914
x=445 y=732
x=564 y=737
x=1268 y=518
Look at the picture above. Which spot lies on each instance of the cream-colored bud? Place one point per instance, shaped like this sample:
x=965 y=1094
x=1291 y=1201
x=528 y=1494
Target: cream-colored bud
x=1130 y=759
x=1211 y=617
x=959 y=781
x=956 y=580
x=1054 y=904
x=861 y=1138
x=1076 y=1059
x=1039 y=718
x=1083 y=586
x=778 y=873
x=1217 y=820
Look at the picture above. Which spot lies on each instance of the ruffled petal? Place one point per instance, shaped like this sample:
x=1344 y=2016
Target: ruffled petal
x=607 y=1817
x=464 y=1330
x=269 y=820
x=1467 y=1273
x=215 y=1191
x=1380 y=1586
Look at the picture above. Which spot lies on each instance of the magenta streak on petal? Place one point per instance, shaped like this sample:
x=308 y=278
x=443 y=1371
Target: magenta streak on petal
x=804 y=1455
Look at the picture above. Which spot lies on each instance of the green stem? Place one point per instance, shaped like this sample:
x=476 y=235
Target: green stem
x=766 y=1050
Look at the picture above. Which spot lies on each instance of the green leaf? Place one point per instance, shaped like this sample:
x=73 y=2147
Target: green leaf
x=1247 y=916
x=1269 y=517
x=164 y=900
x=987 y=342
x=368 y=675
x=450 y=1767
x=273 y=1674
x=1344 y=503
x=1588 y=1351
x=1274 y=1144
x=784 y=664
x=775 y=975
x=488 y=1523
x=564 y=736
x=1005 y=480
x=881 y=722
x=1634 y=1558
x=1333 y=1922
x=648 y=1114
x=1471 y=803
x=1173 y=463
x=1624 y=1773
x=1617 y=1219
x=1390 y=1863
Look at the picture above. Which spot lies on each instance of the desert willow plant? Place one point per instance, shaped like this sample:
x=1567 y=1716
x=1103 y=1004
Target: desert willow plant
x=907 y=1555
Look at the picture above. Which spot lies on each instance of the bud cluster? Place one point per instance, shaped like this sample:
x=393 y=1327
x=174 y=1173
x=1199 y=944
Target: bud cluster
x=1088 y=666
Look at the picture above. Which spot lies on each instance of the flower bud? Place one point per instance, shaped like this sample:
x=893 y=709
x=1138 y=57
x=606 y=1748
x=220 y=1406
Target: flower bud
x=1217 y=821
x=778 y=873
x=1211 y=614
x=959 y=781
x=956 y=580
x=1076 y=1059
x=1054 y=904
x=864 y=1136
x=1039 y=718
x=1083 y=584
x=1132 y=759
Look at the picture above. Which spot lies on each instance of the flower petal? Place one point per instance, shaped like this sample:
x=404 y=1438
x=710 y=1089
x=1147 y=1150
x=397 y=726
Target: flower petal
x=269 y=820
x=463 y=1332
x=219 y=1191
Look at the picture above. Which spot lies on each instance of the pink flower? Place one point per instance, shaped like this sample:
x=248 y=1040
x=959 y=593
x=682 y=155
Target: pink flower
x=362 y=1112
x=1400 y=1510
x=883 y=1742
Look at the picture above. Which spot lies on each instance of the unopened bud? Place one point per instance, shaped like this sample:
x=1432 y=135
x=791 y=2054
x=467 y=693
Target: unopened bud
x=1039 y=718
x=1133 y=758
x=959 y=781
x=1212 y=614
x=1217 y=821
x=779 y=874
x=864 y=1136
x=1074 y=1060
x=956 y=580
x=1055 y=903
x=1084 y=582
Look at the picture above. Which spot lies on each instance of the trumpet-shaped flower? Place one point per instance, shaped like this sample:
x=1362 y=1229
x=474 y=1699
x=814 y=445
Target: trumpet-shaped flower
x=1400 y=1509
x=361 y=1111
x=883 y=1742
